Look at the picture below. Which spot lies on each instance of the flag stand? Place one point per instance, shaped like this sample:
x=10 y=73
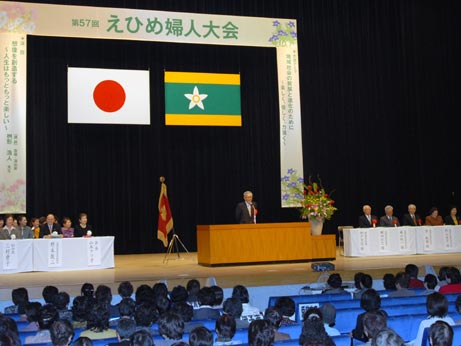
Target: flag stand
x=174 y=243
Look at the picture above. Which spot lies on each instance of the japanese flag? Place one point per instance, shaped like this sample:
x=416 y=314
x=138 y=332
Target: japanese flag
x=103 y=96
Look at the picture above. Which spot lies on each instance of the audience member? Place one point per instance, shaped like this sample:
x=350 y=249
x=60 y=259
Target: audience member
x=286 y=306
x=443 y=276
x=411 y=219
x=387 y=337
x=458 y=307
x=33 y=314
x=8 y=327
x=313 y=329
x=440 y=334
x=453 y=280
x=61 y=301
x=329 y=319
x=370 y=302
x=24 y=231
x=49 y=293
x=187 y=313
x=249 y=312
x=160 y=289
x=434 y=219
x=275 y=318
x=87 y=290
x=367 y=220
x=163 y=304
x=357 y=281
x=389 y=220
x=193 y=287
x=144 y=294
x=48 y=315
x=20 y=298
x=142 y=338
x=233 y=307
x=97 y=326
x=334 y=285
x=127 y=308
x=171 y=328
x=225 y=331
x=103 y=295
x=389 y=282
x=51 y=228
x=373 y=323
x=402 y=281
x=82 y=228
x=61 y=333
x=178 y=294
x=260 y=333
x=125 y=289
x=430 y=283
x=206 y=299
x=201 y=336
x=437 y=308
x=218 y=296
x=79 y=312
x=83 y=341
x=125 y=329
x=144 y=316
x=412 y=271
x=452 y=218
x=366 y=282
x=66 y=228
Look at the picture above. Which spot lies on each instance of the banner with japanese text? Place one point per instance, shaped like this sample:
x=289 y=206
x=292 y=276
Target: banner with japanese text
x=177 y=27
x=13 y=123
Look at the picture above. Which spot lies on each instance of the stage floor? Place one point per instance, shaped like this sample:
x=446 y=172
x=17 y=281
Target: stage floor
x=149 y=268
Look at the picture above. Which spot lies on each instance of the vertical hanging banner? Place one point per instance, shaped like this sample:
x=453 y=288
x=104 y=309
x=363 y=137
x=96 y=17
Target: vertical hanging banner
x=19 y=18
x=13 y=65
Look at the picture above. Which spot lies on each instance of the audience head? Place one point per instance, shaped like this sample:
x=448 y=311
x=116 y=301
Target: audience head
x=370 y=300
x=163 y=304
x=260 y=333
x=328 y=311
x=443 y=273
x=225 y=326
x=458 y=304
x=87 y=290
x=160 y=289
x=171 y=326
x=141 y=338
x=8 y=325
x=453 y=275
x=79 y=308
x=145 y=315
x=61 y=300
x=335 y=281
x=178 y=294
x=412 y=270
x=286 y=306
x=48 y=315
x=8 y=338
x=48 y=293
x=366 y=281
x=83 y=341
x=184 y=310
x=373 y=323
x=387 y=337
x=206 y=296
x=437 y=305
x=144 y=294
x=430 y=281
x=389 y=281
x=126 y=307
x=440 y=334
x=358 y=280
x=125 y=328
x=218 y=294
x=313 y=329
x=200 y=336
x=241 y=293
x=103 y=294
x=193 y=286
x=61 y=333
x=125 y=289
x=33 y=311
x=273 y=316
x=98 y=317
x=20 y=298
x=402 y=280
x=233 y=306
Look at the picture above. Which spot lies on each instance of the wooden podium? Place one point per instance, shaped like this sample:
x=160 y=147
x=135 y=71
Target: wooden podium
x=264 y=242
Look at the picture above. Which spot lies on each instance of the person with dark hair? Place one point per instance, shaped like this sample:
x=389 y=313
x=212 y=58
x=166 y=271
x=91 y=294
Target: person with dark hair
x=373 y=323
x=286 y=307
x=260 y=333
x=79 y=311
x=160 y=289
x=171 y=328
x=50 y=228
x=61 y=301
x=249 y=312
x=20 y=298
x=83 y=341
x=144 y=316
x=125 y=289
x=8 y=231
x=453 y=280
x=357 y=280
x=193 y=287
x=275 y=318
x=178 y=294
x=437 y=308
x=233 y=307
x=61 y=333
x=412 y=271
x=366 y=282
x=430 y=283
x=125 y=328
x=452 y=218
x=33 y=314
x=402 y=281
x=87 y=290
x=334 y=285
x=48 y=293
x=9 y=328
x=442 y=277
x=9 y=339
x=24 y=231
x=142 y=338
x=440 y=334
x=370 y=302
x=144 y=294
x=97 y=326
x=200 y=336
x=225 y=331
x=387 y=337
x=127 y=308
x=434 y=219
x=218 y=296
x=103 y=295
x=313 y=330
x=329 y=319
x=187 y=313
x=458 y=307
x=82 y=228
x=162 y=303
x=206 y=299
x=66 y=227
x=48 y=315
x=389 y=282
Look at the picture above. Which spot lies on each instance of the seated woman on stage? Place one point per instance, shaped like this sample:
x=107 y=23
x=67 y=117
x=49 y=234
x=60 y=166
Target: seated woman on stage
x=66 y=229
x=35 y=226
x=452 y=219
x=434 y=219
x=82 y=228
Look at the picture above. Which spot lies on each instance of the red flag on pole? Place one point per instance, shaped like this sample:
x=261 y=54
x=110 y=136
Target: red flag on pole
x=165 y=218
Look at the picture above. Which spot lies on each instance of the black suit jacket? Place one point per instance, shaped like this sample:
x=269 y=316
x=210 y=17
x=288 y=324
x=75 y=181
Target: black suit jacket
x=449 y=221
x=364 y=223
x=408 y=221
x=242 y=215
x=44 y=230
x=385 y=222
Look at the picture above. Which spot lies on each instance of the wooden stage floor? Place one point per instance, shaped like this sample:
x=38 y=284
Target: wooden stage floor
x=149 y=268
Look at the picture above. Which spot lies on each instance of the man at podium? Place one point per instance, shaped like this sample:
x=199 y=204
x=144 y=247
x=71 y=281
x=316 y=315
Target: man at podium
x=246 y=211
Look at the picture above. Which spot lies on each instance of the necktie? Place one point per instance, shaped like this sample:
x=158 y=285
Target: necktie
x=369 y=218
x=249 y=209
x=413 y=218
x=50 y=227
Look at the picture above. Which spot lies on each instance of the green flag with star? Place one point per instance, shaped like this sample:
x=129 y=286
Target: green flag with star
x=202 y=99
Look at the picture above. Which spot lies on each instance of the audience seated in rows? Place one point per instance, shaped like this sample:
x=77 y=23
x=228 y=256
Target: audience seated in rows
x=32 y=316
x=313 y=329
x=334 y=285
x=98 y=323
x=206 y=298
x=370 y=302
x=125 y=328
x=413 y=271
x=402 y=280
x=171 y=328
x=389 y=282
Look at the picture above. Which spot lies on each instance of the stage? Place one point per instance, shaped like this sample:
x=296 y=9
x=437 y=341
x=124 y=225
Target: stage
x=149 y=268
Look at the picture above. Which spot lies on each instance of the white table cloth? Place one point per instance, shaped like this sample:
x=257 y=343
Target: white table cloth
x=15 y=256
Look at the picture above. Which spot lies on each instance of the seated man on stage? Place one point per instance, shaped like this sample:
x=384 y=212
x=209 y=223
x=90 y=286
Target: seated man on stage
x=389 y=220
x=366 y=220
x=411 y=219
x=246 y=211
x=49 y=227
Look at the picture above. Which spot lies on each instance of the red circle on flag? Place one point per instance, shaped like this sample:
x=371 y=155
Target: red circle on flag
x=109 y=96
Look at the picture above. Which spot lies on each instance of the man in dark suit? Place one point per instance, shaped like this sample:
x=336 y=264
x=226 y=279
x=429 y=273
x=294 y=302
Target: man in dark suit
x=246 y=211
x=411 y=219
x=47 y=229
x=366 y=220
x=389 y=220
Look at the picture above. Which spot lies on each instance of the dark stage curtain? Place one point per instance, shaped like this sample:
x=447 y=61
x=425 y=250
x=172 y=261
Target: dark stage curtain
x=380 y=103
